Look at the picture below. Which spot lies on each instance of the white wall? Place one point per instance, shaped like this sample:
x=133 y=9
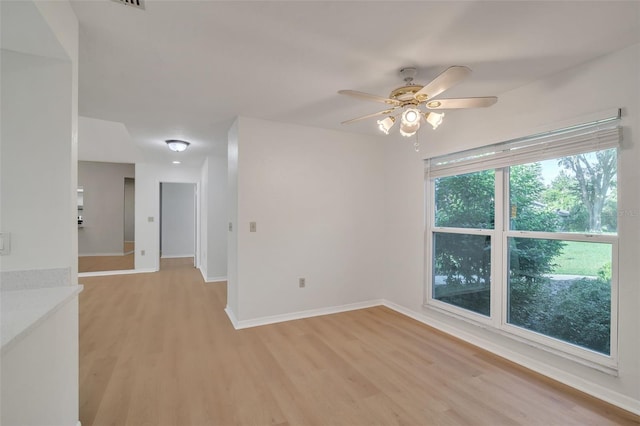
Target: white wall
x=106 y=141
x=103 y=229
x=204 y=219
x=36 y=172
x=606 y=83
x=178 y=219
x=232 y=217
x=39 y=115
x=315 y=196
x=129 y=209
x=213 y=224
x=217 y=231
x=63 y=23
x=39 y=85
x=148 y=178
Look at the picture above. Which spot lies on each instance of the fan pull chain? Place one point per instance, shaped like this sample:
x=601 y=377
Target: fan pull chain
x=416 y=144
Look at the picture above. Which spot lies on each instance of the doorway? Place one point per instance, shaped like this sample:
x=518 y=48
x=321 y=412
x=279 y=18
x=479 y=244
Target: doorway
x=178 y=224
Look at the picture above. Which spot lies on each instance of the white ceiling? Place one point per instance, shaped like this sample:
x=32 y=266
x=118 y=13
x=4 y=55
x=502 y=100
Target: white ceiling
x=186 y=69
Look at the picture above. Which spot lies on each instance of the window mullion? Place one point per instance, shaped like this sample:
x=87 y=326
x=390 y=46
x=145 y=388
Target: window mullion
x=428 y=238
x=504 y=253
x=466 y=231
x=564 y=236
x=496 y=250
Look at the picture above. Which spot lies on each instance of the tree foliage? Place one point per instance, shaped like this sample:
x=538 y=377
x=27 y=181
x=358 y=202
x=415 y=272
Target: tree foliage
x=575 y=311
x=563 y=197
x=595 y=174
x=466 y=201
x=582 y=314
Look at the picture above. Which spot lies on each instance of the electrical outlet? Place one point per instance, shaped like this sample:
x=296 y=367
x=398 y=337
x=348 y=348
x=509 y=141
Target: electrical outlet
x=150 y=219
x=142 y=252
x=252 y=227
x=301 y=282
x=230 y=226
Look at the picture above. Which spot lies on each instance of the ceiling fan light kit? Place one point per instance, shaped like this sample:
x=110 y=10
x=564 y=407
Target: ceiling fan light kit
x=386 y=124
x=411 y=117
x=411 y=97
x=434 y=119
x=410 y=122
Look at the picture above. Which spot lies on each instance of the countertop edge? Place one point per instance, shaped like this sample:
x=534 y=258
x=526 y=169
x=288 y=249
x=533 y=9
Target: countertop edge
x=58 y=302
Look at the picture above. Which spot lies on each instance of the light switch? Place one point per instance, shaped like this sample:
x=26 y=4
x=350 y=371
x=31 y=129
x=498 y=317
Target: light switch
x=150 y=219
x=252 y=227
x=230 y=226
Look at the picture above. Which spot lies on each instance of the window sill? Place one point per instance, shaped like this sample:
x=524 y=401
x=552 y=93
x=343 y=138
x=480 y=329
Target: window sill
x=608 y=366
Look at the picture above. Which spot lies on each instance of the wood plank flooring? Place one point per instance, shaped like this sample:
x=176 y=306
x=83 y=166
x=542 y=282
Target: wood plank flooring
x=109 y=263
x=105 y=263
x=158 y=349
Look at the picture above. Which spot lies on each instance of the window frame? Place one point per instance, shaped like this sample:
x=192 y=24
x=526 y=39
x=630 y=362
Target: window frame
x=444 y=305
x=497 y=319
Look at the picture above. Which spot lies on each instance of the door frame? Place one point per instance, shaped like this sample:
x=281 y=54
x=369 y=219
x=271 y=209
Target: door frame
x=197 y=225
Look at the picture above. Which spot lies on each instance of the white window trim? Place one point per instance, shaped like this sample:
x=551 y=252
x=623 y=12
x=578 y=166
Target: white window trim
x=497 y=321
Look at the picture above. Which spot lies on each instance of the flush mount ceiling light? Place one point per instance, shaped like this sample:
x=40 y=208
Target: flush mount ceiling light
x=406 y=101
x=177 y=145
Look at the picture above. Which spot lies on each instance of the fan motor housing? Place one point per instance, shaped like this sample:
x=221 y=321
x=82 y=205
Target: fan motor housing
x=405 y=94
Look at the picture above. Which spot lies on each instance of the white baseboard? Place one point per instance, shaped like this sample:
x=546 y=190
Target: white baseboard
x=303 y=314
x=211 y=279
x=121 y=272
x=102 y=254
x=576 y=382
x=175 y=256
x=232 y=317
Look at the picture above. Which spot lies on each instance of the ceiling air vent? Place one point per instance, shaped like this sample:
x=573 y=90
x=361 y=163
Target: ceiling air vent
x=135 y=3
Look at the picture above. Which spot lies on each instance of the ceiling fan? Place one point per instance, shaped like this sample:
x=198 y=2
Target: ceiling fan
x=413 y=102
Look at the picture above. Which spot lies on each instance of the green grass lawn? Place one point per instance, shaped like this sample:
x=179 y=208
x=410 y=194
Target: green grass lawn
x=580 y=258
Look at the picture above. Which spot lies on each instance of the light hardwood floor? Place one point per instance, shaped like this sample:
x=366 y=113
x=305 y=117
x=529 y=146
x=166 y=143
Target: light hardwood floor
x=158 y=349
x=108 y=263
x=105 y=263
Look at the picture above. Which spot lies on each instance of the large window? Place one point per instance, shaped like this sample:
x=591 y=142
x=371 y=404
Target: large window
x=523 y=237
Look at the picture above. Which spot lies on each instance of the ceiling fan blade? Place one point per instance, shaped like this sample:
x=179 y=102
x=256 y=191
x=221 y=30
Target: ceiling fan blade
x=364 y=117
x=445 y=80
x=368 y=97
x=459 y=103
